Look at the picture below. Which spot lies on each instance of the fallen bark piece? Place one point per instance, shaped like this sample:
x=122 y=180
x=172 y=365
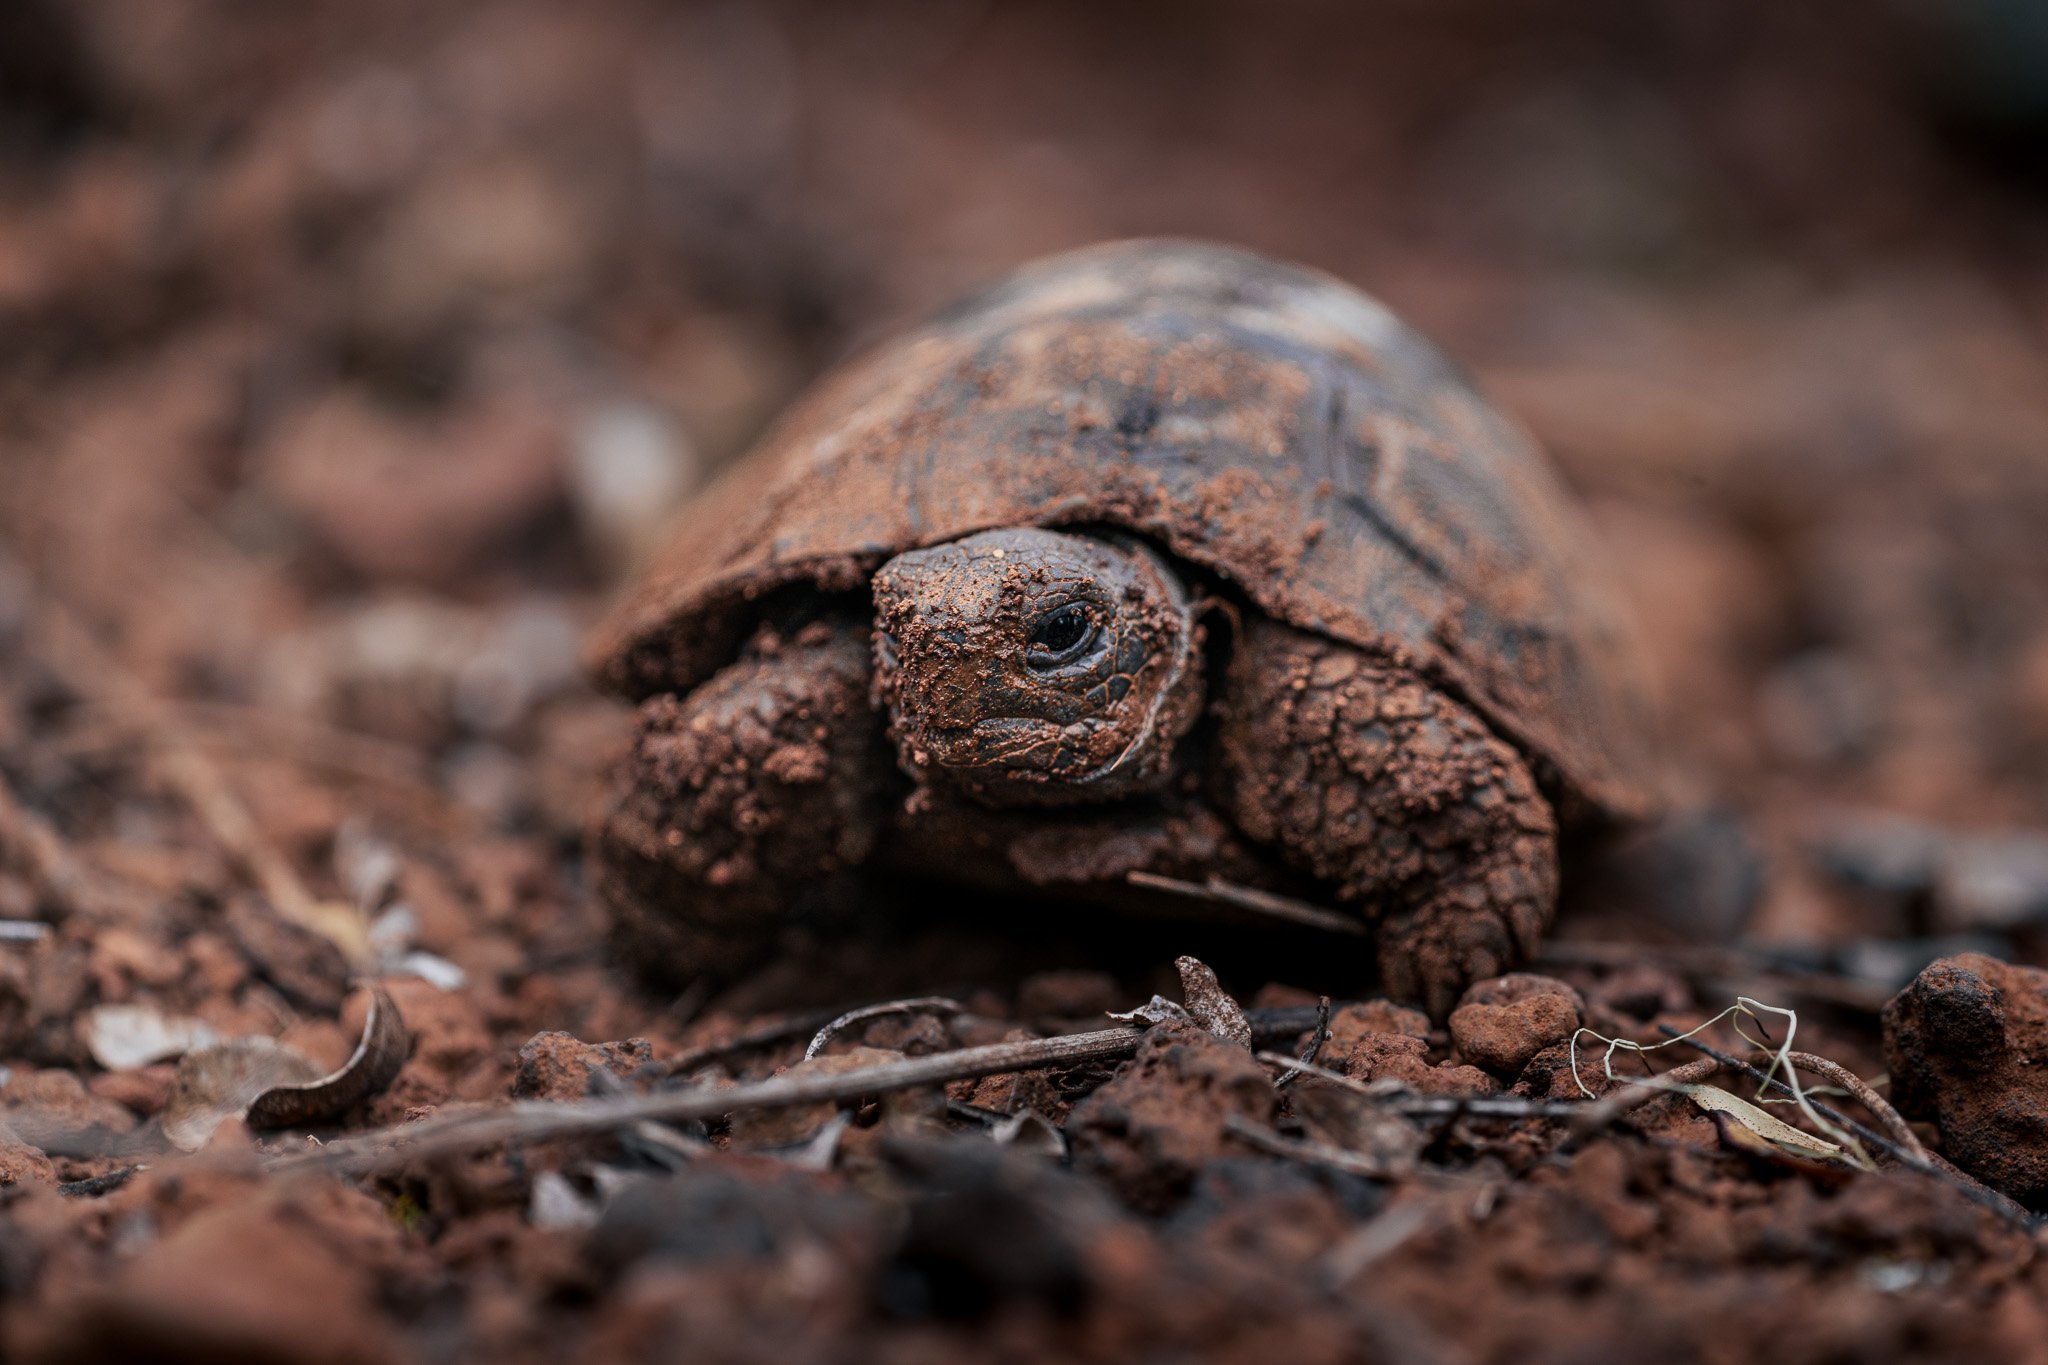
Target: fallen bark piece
x=1211 y=1005
x=219 y=1083
x=272 y=1085
x=374 y=1064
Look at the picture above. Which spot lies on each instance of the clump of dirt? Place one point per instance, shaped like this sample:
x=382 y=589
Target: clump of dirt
x=1501 y=1024
x=1382 y=1041
x=556 y=1066
x=1964 y=1042
x=1163 y=1117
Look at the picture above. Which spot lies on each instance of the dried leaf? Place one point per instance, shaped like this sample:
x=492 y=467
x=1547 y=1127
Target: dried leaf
x=273 y=1085
x=123 y=1037
x=219 y=1083
x=929 y=1004
x=1766 y=1127
x=305 y=965
x=374 y=1064
x=1157 y=1010
x=1211 y=1005
x=1030 y=1131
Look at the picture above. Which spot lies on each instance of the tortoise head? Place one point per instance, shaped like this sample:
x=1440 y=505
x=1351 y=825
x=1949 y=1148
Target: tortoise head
x=1036 y=667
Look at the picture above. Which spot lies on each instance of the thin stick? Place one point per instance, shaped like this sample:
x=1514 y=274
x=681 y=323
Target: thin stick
x=766 y=1035
x=1375 y=1241
x=1311 y=1153
x=1268 y=1025
x=533 y=1120
x=1634 y=1094
x=1901 y=1132
x=1976 y=1191
x=1314 y=1048
x=1221 y=892
x=1411 y=1105
x=1277 y=1023
x=927 y=1004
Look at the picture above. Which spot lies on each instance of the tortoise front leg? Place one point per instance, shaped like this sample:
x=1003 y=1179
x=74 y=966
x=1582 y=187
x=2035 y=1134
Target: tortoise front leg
x=738 y=802
x=1367 y=776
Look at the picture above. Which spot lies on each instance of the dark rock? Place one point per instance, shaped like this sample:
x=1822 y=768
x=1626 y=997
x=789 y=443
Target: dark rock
x=1962 y=1042
x=557 y=1066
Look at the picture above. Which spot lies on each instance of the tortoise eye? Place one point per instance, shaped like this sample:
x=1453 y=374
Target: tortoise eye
x=1060 y=636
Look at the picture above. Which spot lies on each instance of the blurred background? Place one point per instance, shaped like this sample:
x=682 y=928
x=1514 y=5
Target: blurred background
x=351 y=352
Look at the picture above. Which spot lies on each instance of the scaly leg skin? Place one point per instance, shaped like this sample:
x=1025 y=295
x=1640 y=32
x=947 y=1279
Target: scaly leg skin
x=1367 y=776
x=738 y=802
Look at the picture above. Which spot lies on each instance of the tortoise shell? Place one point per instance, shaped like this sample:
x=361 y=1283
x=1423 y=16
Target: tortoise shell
x=1264 y=422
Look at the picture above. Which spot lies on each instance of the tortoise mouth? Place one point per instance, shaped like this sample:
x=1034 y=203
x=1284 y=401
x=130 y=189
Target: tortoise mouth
x=1011 y=744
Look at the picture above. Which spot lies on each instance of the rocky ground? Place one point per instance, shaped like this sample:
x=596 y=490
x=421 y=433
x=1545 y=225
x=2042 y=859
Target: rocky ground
x=350 y=356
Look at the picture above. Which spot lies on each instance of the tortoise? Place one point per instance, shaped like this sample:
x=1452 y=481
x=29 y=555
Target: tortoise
x=1157 y=557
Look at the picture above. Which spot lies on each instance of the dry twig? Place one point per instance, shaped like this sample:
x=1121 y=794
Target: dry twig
x=1835 y=1073
x=443 y=1135
x=1308 y=1153
x=1977 y=1192
x=1375 y=1241
x=1309 y=1053
x=1219 y=892
x=1588 y=1116
x=1595 y=1115
x=764 y=1035
x=922 y=1004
